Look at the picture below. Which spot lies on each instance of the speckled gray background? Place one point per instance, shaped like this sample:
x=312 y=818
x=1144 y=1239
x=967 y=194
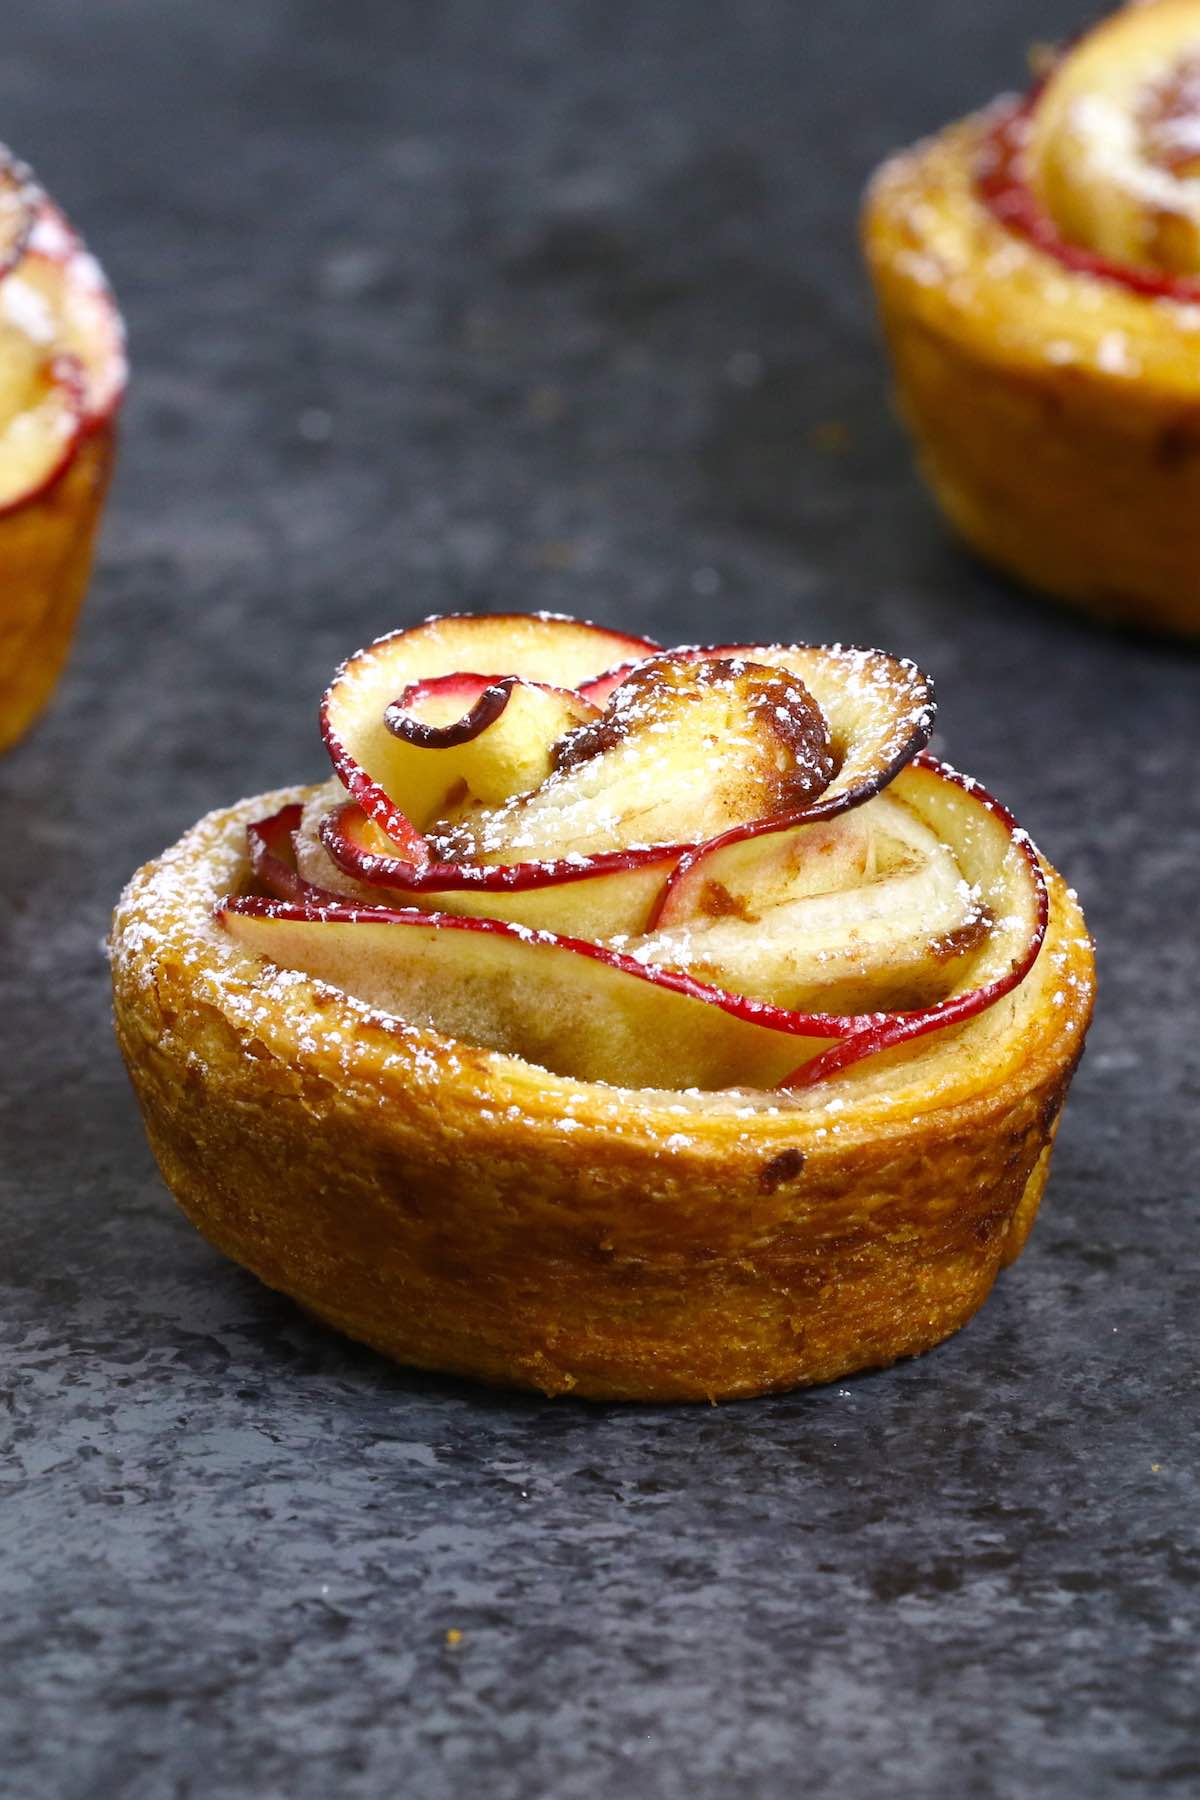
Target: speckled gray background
x=549 y=304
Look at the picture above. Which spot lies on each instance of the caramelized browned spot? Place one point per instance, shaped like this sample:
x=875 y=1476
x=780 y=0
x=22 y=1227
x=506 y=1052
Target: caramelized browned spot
x=716 y=902
x=963 y=937
x=653 y=692
x=784 y=1167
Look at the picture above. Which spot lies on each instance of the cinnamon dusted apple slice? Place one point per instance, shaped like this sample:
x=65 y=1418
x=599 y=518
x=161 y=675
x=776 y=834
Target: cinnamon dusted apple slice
x=593 y=897
x=473 y=735
x=536 y=647
x=685 y=748
x=336 y=850
x=879 y=710
x=42 y=405
x=595 y=1013
x=570 y=1006
x=866 y=912
x=1001 y=867
x=742 y=873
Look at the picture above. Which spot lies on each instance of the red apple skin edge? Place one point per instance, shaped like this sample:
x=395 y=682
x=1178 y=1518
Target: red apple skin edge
x=372 y=799
x=338 y=836
x=484 y=699
x=272 y=858
x=860 y=1035
x=1004 y=186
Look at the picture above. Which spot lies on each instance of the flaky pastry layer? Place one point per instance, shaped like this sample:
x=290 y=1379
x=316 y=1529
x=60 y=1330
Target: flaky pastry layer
x=465 y=1211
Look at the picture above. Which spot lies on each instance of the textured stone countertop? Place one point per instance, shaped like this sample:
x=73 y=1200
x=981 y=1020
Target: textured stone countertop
x=557 y=305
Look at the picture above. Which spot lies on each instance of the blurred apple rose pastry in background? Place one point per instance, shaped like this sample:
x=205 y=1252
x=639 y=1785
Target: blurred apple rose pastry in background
x=637 y=1023
x=62 y=375
x=1038 y=273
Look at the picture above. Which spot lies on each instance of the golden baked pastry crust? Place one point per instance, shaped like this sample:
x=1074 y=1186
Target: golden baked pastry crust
x=1055 y=412
x=464 y=1211
x=46 y=548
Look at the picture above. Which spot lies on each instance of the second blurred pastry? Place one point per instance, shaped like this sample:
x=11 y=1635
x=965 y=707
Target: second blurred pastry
x=1038 y=272
x=62 y=376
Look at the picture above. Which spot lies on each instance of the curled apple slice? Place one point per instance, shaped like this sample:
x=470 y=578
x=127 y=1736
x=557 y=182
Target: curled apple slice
x=1110 y=150
x=879 y=709
x=567 y=1005
x=597 y=1013
x=868 y=911
x=685 y=748
x=1001 y=866
x=536 y=647
x=42 y=403
x=593 y=897
x=271 y=844
x=460 y=736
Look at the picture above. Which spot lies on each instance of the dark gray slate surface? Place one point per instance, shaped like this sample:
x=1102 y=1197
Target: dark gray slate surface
x=549 y=304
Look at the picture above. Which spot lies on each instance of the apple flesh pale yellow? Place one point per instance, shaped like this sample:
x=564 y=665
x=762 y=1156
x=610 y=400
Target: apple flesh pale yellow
x=684 y=749
x=601 y=1014
x=716 y=835
x=1111 y=145
x=475 y=735
x=558 y=652
x=881 y=709
x=568 y=1006
x=864 y=912
x=59 y=275
x=592 y=897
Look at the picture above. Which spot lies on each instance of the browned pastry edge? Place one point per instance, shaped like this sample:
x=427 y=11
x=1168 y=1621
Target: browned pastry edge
x=463 y=1211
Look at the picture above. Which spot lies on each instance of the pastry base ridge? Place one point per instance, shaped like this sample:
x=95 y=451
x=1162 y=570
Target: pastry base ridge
x=464 y=1211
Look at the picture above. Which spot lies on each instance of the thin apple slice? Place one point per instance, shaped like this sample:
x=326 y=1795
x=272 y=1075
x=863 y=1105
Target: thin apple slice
x=596 y=897
x=42 y=403
x=569 y=1006
x=67 y=292
x=536 y=647
x=741 y=874
x=474 y=736
x=879 y=709
x=866 y=912
x=599 y=688
x=595 y=1013
x=271 y=844
x=684 y=749
x=1000 y=864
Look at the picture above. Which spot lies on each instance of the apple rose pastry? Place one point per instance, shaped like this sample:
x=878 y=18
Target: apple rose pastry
x=62 y=375
x=1038 y=272
x=641 y=1023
